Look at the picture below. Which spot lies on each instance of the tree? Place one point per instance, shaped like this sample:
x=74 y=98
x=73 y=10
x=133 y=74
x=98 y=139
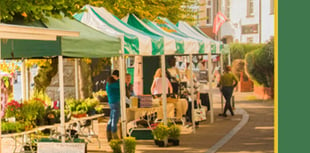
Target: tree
x=260 y=64
x=32 y=10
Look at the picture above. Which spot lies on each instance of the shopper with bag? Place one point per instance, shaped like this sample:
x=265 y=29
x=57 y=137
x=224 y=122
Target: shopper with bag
x=227 y=84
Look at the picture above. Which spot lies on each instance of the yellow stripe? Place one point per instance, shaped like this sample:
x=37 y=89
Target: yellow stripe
x=276 y=76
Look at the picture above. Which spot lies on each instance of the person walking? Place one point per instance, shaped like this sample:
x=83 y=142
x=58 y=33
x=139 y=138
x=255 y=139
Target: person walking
x=113 y=92
x=227 y=84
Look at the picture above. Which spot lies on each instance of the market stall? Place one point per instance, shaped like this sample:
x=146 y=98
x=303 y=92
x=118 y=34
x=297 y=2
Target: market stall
x=91 y=43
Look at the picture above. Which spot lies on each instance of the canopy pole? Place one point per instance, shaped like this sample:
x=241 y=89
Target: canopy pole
x=164 y=88
x=210 y=87
x=62 y=98
x=221 y=72
x=164 y=92
x=191 y=82
x=23 y=79
x=123 y=92
x=27 y=83
x=76 y=78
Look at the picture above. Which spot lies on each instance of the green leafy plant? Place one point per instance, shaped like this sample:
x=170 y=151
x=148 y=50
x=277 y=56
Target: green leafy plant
x=174 y=131
x=160 y=132
x=130 y=144
x=115 y=144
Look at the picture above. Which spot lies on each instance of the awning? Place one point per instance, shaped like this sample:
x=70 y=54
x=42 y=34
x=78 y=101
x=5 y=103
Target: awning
x=90 y=43
x=136 y=42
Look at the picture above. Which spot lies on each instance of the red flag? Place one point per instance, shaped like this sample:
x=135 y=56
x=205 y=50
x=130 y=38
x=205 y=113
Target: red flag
x=218 y=21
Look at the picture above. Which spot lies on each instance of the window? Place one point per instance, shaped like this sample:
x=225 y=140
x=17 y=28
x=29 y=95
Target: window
x=227 y=8
x=250 y=8
x=250 y=39
x=271 y=6
x=209 y=12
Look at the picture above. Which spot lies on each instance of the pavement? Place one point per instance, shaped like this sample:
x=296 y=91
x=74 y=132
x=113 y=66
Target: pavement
x=251 y=130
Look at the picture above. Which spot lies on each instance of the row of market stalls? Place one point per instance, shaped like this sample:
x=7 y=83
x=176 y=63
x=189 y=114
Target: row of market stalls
x=101 y=34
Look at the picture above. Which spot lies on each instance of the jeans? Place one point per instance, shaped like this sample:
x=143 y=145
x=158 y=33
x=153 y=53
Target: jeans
x=114 y=117
x=227 y=93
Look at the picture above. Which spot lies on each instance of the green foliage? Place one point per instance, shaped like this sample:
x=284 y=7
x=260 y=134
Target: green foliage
x=239 y=50
x=260 y=65
x=115 y=144
x=31 y=10
x=33 y=110
x=174 y=131
x=11 y=127
x=76 y=106
x=91 y=103
x=45 y=74
x=130 y=144
x=42 y=95
x=150 y=9
x=161 y=132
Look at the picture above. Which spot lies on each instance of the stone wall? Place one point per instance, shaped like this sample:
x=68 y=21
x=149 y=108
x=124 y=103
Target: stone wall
x=69 y=75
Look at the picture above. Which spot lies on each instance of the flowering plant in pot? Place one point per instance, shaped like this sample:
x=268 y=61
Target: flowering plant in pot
x=130 y=144
x=13 y=109
x=115 y=144
x=174 y=134
x=160 y=133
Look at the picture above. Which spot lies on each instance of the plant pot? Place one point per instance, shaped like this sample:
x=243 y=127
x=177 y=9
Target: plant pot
x=156 y=142
x=160 y=143
x=51 y=121
x=27 y=148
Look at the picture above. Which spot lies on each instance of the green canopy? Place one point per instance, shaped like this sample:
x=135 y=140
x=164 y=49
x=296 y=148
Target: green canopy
x=91 y=43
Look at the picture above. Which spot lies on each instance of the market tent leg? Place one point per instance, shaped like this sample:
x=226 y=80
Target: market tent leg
x=164 y=93
x=191 y=82
x=76 y=76
x=62 y=98
x=23 y=79
x=210 y=87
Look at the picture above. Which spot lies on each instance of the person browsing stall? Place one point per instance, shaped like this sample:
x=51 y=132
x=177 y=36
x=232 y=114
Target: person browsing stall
x=156 y=88
x=113 y=92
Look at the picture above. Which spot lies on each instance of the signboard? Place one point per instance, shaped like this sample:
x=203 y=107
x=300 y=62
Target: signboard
x=52 y=147
x=250 y=29
x=203 y=76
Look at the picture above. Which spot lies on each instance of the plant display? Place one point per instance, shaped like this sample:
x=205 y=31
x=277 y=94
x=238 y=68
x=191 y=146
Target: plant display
x=13 y=109
x=130 y=144
x=161 y=132
x=115 y=144
x=32 y=111
x=11 y=127
x=77 y=108
x=174 y=132
x=91 y=104
x=99 y=109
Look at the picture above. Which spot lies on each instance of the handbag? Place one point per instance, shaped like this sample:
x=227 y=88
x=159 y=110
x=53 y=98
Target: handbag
x=200 y=113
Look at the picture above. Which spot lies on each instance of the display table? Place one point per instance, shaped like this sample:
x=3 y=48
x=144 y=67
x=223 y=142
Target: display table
x=22 y=138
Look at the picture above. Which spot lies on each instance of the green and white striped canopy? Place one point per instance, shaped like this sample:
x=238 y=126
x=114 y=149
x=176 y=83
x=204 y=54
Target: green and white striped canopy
x=136 y=42
x=167 y=25
x=216 y=46
x=183 y=45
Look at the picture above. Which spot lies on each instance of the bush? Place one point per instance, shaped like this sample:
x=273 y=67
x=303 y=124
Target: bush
x=130 y=144
x=161 y=132
x=239 y=50
x=115 y=144
x=174 y=132
x=260 y=65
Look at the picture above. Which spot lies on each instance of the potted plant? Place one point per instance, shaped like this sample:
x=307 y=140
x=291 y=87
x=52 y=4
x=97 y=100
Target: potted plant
x=13 y=110
x=160 y=133
x=115 y=144
x=174 y=134
x=130 y=144
x=91 y=104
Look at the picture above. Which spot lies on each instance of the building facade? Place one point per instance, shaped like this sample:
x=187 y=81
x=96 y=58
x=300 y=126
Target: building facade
x=248 y=20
